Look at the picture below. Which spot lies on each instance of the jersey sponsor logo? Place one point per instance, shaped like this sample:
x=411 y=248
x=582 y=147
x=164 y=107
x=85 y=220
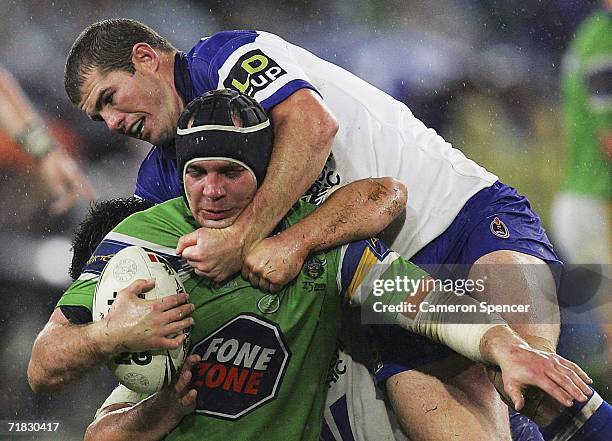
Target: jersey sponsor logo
x=253 y=72
x=96 y=258
x=498 y=228
x=328 y=179
x=102 y=255
x=242 y=367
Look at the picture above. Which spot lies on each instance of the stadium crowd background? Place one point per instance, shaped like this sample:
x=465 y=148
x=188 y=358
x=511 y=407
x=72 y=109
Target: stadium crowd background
x=484 y=73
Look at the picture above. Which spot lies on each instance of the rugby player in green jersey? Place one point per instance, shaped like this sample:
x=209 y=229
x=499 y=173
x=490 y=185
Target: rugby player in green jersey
x=282 y=393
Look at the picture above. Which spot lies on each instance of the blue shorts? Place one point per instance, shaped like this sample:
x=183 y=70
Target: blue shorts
x=495 y=218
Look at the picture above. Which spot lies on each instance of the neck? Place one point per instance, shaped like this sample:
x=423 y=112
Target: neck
x=167 y=71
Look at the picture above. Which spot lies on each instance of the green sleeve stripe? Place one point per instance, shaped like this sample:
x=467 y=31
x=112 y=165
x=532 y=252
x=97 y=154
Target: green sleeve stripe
x=80 y=293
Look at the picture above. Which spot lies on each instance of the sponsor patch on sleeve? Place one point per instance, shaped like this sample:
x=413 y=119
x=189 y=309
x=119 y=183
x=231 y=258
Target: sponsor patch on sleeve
x=253 y=72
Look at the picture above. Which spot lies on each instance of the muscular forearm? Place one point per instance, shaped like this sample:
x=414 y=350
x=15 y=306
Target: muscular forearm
x=356 y=211
x=461 y=331
x=453 y=320
x=63 y=353
x=149 y=420
x=304 y=131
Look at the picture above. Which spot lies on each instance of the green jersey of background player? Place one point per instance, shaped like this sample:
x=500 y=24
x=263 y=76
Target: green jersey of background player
x=588 y=107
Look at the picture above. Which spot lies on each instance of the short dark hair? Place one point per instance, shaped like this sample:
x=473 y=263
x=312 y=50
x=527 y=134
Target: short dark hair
x=107 y=46
x=100 y=220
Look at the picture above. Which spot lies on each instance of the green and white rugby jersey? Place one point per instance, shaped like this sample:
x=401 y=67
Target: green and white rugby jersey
x=264 y=357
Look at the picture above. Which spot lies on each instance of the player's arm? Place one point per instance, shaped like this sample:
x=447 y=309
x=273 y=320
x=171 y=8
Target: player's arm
x=64 y=352
x=304 y=130
x=355 y=211
x=369 y=278
x=150 y=419
x=21 y=122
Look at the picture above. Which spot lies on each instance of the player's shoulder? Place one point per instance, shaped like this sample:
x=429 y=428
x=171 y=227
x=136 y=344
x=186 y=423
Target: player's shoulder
x=157 y=177
x=223 y=41
x=212 y=52
x=302 y=208
x=168 y=216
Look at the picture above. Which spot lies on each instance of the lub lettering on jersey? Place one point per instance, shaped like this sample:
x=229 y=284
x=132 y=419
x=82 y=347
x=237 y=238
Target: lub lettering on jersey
x=242 y=367
x=253 y=72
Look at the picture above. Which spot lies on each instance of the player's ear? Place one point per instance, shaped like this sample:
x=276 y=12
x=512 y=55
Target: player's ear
x=145 y=57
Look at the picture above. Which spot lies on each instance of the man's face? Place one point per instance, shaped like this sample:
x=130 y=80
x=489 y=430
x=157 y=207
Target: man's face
x=140 y=105
x=218 y=191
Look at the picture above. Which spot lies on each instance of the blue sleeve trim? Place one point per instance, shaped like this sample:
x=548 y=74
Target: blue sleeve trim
x=285 y=92
x=378 y=247
x=350 y=262
x=360 y=255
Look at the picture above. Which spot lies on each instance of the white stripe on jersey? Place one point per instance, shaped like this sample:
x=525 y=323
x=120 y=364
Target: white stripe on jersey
x=183 y=272
x=130 y=240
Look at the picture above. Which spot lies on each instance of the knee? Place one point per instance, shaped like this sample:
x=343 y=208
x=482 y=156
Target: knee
x=453 y=398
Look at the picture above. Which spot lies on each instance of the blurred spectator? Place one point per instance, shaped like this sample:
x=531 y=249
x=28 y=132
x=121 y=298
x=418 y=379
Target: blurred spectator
x=24 y=126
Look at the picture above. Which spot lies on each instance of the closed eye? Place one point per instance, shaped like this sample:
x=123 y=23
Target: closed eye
x=195 y=172
x=233 y=174
x=108 y=98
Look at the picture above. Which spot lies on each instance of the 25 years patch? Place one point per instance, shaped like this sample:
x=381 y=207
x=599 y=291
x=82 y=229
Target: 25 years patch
x=253 y=72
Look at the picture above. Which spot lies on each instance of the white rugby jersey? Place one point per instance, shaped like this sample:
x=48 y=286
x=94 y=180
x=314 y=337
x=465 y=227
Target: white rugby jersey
x=378 y=135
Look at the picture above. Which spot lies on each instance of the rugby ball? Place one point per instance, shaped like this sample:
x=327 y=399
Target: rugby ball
x=149 y=371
